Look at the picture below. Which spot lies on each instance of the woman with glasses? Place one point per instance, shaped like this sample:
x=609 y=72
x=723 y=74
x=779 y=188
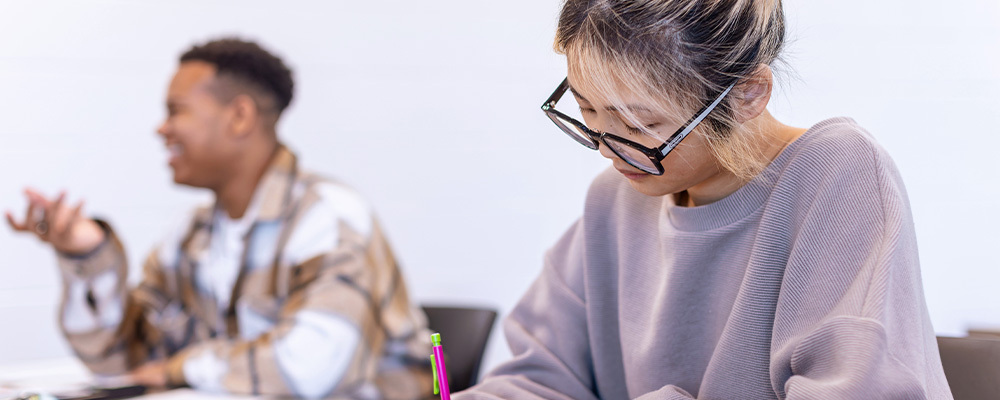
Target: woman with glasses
x=725 y=255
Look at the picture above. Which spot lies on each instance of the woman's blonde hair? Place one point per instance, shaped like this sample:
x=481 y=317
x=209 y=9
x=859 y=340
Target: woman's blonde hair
x=678 y=54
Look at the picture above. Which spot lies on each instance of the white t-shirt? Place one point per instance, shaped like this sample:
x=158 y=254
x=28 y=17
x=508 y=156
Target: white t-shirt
x=218 y=271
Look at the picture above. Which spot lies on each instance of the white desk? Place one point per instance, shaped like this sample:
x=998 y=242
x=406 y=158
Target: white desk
x=67 y=374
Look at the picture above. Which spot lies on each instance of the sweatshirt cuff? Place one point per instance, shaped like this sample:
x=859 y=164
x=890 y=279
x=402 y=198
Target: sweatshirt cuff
x=107 y=255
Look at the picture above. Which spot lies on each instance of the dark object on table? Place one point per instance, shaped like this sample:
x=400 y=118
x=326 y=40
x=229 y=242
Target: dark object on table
x=122 y=392
x=464 y=333
x=972 y=366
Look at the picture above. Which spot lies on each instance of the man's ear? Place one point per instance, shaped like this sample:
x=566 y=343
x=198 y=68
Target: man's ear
x=245 y=115
x=755 y=94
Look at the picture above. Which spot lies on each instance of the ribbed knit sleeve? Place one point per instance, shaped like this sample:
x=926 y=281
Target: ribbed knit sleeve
x=850 y=321
x=547 y=332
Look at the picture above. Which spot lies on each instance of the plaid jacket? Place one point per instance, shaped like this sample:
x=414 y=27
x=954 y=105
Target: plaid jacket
x=319 y=307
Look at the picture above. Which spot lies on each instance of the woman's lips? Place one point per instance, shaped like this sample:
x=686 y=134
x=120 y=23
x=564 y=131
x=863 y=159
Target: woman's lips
x=632 y=175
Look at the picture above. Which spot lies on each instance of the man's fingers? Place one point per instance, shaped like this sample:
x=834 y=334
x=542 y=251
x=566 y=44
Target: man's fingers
x=35 y=197
x=63 y=225
x=75 y=215
x=30 y=217
x=13 y=224
x=36 y=214
x=39 y=218
x=60 y=217
x=56 y=206
x=57 y=224
x=48 y=219
x=33 y=193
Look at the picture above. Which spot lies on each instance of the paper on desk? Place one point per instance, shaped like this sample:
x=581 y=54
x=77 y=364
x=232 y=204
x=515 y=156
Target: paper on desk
x=45 y=376
x=188 y=394
x=63 y=377
x=60 y=376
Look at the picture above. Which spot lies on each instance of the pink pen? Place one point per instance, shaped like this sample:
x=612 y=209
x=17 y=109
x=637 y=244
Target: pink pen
x=440 y=373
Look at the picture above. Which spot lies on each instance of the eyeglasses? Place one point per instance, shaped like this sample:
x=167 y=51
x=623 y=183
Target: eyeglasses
x=646 y=159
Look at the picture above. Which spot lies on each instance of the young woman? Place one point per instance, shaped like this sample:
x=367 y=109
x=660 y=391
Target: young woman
x=725 y=255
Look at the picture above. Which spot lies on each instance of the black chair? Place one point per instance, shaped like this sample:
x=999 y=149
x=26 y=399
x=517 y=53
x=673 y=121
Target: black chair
x=972 y=366
x=464 y=334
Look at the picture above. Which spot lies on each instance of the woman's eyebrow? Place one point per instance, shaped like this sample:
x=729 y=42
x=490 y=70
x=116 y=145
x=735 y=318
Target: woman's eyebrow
x=632 y=107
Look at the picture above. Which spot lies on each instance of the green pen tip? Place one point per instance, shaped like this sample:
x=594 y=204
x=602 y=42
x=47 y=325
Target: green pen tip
x=436 y=339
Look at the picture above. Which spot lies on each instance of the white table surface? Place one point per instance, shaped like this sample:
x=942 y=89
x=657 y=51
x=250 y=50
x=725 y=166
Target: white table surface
x=67 y=374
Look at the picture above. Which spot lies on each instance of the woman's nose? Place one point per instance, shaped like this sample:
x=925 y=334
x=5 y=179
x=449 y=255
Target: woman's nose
x=605 y=151
x=603 y=125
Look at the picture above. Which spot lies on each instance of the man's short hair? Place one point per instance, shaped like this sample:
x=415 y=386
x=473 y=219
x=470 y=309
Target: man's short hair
x=246 y=64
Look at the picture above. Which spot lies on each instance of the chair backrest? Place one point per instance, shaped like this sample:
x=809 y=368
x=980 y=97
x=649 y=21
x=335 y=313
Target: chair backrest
x=464 y=333
x=972 y=367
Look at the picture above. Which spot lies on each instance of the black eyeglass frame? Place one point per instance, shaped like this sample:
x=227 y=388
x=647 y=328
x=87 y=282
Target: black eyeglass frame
x=656 y=155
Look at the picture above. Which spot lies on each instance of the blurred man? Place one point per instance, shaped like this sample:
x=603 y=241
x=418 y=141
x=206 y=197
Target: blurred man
x=286 y=285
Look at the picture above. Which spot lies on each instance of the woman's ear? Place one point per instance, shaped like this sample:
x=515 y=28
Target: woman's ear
x=755 y=94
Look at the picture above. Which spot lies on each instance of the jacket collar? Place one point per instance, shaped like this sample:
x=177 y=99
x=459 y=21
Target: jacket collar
x=274 y=191
x=273 y=195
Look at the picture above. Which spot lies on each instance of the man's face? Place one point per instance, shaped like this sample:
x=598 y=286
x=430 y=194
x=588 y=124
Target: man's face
x=195 y=130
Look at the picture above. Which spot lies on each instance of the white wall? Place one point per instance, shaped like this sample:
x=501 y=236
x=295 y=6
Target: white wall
x=431 y=110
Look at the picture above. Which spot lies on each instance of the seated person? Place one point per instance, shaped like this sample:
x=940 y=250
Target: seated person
x=725 y=255
x=286 y=285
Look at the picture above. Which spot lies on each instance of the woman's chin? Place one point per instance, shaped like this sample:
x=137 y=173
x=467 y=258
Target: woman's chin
x=650 y=187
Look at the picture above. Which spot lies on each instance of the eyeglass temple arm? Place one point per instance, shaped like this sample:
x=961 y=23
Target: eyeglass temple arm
x=556 y=95
x=676 y=138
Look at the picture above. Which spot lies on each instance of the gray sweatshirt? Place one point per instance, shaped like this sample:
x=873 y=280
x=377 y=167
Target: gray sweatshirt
x=803 y=284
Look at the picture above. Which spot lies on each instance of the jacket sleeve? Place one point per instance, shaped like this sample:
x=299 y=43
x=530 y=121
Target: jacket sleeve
x=547 y=333
x=102 y=319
